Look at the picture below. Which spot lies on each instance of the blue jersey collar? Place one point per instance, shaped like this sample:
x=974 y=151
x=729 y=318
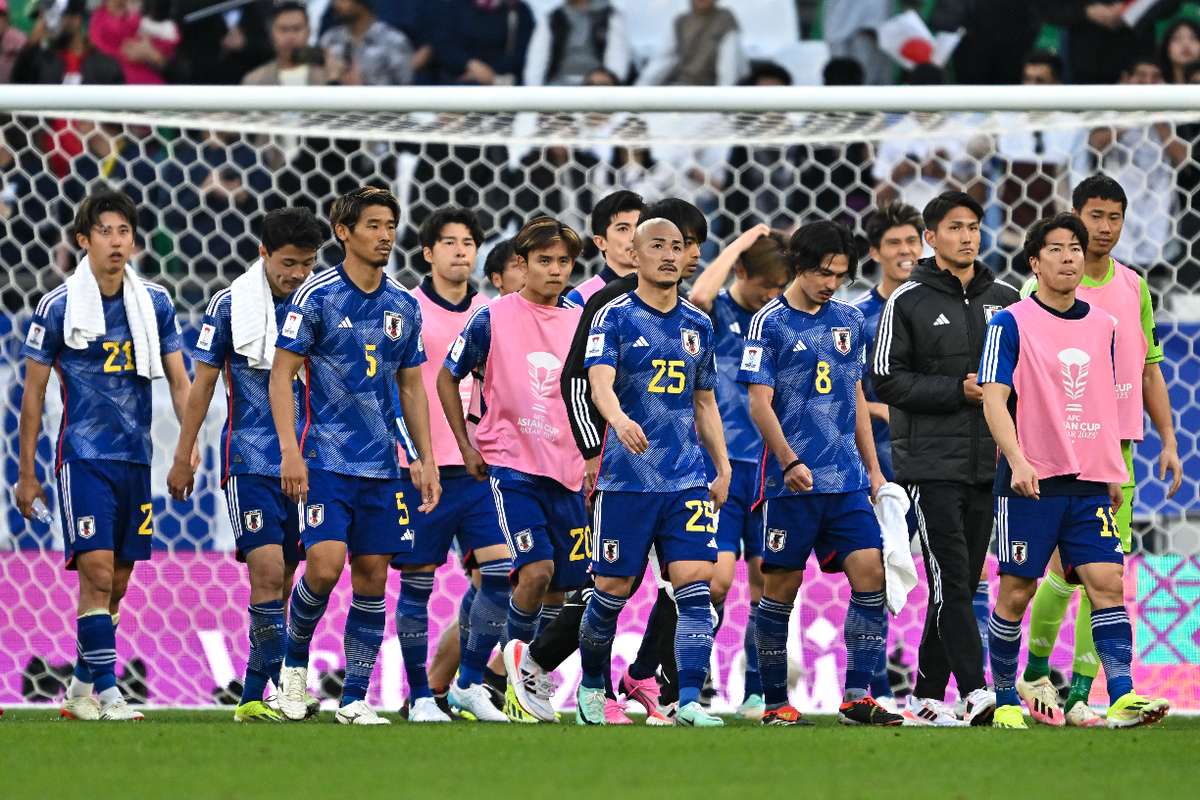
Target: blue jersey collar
x=458 y=308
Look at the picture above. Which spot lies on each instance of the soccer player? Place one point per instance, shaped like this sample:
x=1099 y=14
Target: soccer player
x=1050 y=398
x=108 y=334
x=266 y=525
x=803 y=362
x=758 y=260
x=449 y=241
x=503 y=269
x=613 y=221
x=355 y=332
x=929 y=343
x=894 y=237
x=522 y=444
x=650 y=361
x=527 y=666
x=1100 y=203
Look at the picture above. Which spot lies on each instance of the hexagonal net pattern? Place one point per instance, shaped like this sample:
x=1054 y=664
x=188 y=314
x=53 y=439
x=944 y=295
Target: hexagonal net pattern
x=202 y=183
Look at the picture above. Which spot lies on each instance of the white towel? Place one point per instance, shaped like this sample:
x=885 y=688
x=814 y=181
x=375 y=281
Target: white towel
x=900 y=573
x=252 y=316
x=83 y=319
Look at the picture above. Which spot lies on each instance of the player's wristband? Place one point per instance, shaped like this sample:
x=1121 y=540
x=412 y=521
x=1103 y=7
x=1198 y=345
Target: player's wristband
x=792 y=466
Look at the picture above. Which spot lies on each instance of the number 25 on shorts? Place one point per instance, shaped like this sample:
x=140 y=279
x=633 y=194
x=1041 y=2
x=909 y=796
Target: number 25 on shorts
x=701 y=510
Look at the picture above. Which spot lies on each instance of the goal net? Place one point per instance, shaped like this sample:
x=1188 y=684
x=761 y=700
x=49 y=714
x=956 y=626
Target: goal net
x=205 y=166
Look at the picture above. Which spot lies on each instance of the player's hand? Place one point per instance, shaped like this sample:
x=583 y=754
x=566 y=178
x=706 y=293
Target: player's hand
x=1025 y=481
x=293 y=476
x=181 y=479
x=799 y=479
x=477 y=468
x=1116 y=496
x=414 y=471
x=972 y=391
x=430 y=486
x=742 y=243
x=195 y=457
x=591 y=469
x=630 y=434
x=28 y=489
x=1169 y=460
x=718 y=490
x=877 y=481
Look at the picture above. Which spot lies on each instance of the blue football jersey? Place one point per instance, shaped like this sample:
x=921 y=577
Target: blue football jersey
x=871 y=305
x=813 y=361
x=106 y=405
x=353 y=343
x=730 y=323
x=249 y=444
x=660 y=359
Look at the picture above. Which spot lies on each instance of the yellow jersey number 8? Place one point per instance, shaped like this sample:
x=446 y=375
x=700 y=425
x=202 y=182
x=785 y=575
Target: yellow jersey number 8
x=823 y=384
x=671 y=369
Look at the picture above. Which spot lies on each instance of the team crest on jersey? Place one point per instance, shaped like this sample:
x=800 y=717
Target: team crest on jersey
x=253 y=520
x=989 y=312
x=691 y=341
x=314 y=515
x=393 y=325
x=86 y=526
x=523 y=540
x=841 y=340
x=1020 y=551
x=776 y=539
x=610 y=549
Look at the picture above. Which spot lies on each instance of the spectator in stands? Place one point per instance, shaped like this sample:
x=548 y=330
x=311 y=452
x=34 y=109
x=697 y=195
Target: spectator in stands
x=487 y=43
x=1031 y=167
x=706 y=50
x=1180 y=47
x=576 y=38
x=843 y=71
x=224 y=45
x=140 y=44
x=295 y=63
x=849 y=27
x=12 y=42
x=997 y=35
x=1143 y=160
x=1097 y=35
x=365 y=51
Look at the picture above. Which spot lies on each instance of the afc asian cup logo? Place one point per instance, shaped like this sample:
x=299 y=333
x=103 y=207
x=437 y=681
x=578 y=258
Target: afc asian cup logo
x=989 y=312
x=543 y=377
x=393 y=325
x=314 y=515
x=253 y=520
x=841 y=340
x=523 y=540
x=691 y=341
x=776 y=539
x=610 y=549
x=1020 y=552
x=86 y=527
x=1073 y=365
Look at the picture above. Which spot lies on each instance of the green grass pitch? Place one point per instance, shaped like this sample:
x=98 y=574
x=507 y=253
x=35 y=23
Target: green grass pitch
x=203 y=754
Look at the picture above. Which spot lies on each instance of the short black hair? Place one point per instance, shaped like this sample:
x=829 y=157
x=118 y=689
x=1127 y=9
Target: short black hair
x=349 y=207
x=431 y=228
x=1035 y=240
x=1048 y=59
x=1138 y=59
x=1098 y=187
x=283 y=6
x=610 y=205
x=937 y=208
x=103 y=201
x=760 y=69
x=813 y=243
x=843 y=71
x=685 y=216
x=294 y=226
x=892 y=215
x=497 y=258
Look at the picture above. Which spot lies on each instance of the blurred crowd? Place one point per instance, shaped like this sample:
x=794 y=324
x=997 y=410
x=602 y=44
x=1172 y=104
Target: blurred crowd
x=204 y=191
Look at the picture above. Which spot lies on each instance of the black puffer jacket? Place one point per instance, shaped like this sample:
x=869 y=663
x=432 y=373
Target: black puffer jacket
x=930 y=337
